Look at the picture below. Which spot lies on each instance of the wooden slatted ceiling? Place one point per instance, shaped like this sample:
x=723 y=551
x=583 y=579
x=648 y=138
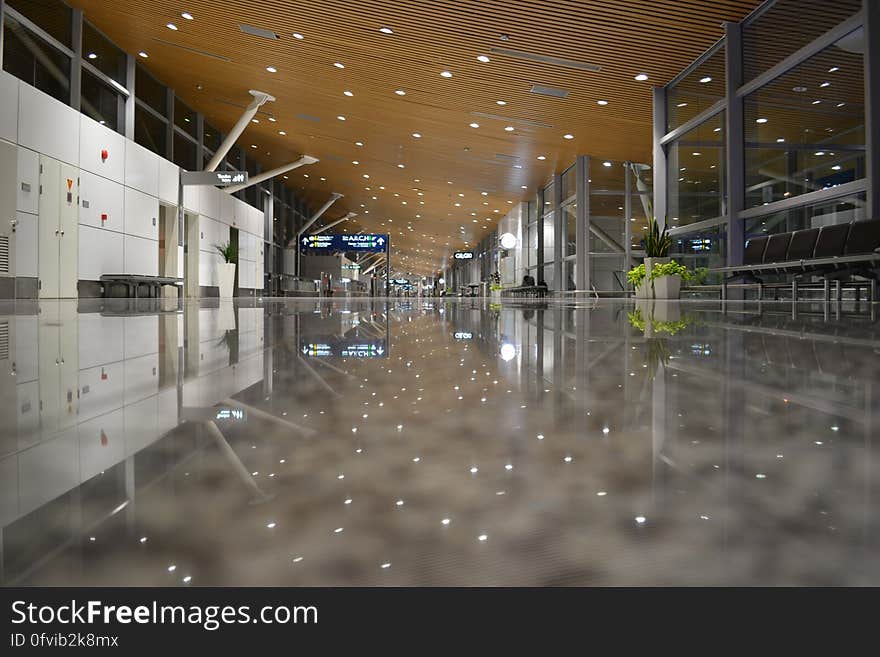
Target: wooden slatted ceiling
x=624 y=37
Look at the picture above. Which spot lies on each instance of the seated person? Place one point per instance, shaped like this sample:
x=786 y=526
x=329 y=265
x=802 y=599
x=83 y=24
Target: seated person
x=528 y=281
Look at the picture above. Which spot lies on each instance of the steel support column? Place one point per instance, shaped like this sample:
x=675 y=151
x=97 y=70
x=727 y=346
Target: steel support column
x=659 y=155
x=735 y=143
x=872 y=105
x=582 y=223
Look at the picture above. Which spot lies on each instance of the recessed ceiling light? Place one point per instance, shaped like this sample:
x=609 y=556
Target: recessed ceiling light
x=825 y=84
x=272 y=119
x=524 y=186
x=840 y=104
x=92 y=55
x=143 y=54
x=799 y=89
x=706 y=79
x=416 y=135
x=601 y=102
x=367 y=176
x=542 y=157
x=400 y=92
x=508 y=128
x=682 y=105
x=568 y=136
x=475 y=125
x=171 y=26
x=255 y=120
x=483 y=58
x=833 y=69
x=816 y=102
x=271 y=69
x=836 y=167
x=606 y=164
x=401 y=166
x=386 y=30
x=187 y=15
x=341 y=118
x=761 y=120
x=716 y=130
x=641 y=77
x=445 y=74
x=253 y=145
x=338 y=64
x=501 y=102
x=355 y=162
x=282 y=133
x=297 y=35
x=358 y=143
x=780 y=140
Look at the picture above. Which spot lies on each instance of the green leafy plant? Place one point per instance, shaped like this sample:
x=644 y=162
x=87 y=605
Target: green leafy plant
x=657 y=242
x=635 y=318
x=229 y=251
x=670 y=328
x=495 y=287
x=636 y=275
x=671 y=268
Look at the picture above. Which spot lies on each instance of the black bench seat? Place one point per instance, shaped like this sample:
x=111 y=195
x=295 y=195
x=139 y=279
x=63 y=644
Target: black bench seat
x=525 y=291
x=134 y=283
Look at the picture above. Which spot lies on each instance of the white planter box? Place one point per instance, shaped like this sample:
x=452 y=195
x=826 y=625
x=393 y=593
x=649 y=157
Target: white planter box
x=667 y=287
x=226 y=279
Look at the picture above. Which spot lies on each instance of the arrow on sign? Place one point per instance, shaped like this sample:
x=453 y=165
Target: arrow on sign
x=381 y=241
x=305 y=241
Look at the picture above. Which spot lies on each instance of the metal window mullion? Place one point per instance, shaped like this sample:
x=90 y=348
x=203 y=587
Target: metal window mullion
x=582 y=223
x=660 y=187
x=558 y=234
x=698 y=225
x=150 y=110
x=695 y=122
x=810 y=198
x=871 y=11
x=77 y=60
x=200 y=140
x=103 y=77
x=169 y=127
x=735 y=151
x=130 y=101
x=627 y=217
x=699 y=61
x=540 y=234
x=2 y=30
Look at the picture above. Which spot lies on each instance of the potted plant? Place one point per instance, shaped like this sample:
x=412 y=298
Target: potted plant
x=636 y=277
x=226 y=271
x=495 y=286
x=666 y=278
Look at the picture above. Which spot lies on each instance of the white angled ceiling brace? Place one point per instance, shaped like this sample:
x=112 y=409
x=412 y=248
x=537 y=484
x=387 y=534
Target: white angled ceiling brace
x=348 y=216
x=260 y=177
x=335 y=196
x=260 y=98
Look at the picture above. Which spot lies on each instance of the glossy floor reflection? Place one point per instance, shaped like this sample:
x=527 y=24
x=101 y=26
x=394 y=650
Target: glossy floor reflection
x=439 y=442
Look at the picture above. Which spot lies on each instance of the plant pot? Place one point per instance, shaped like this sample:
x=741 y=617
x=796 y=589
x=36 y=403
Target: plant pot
x=495 y=294
x=226 y=279
x=667 y=287
x=666 y=310
x=643 y=291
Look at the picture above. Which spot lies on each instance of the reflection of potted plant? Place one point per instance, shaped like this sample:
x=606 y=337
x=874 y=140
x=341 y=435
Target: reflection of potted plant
x=226 y=271
x=229 y=339
x=495 y=286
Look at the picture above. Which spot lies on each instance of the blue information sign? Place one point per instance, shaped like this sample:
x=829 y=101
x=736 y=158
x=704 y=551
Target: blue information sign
x=370 y=243
x=344 y=348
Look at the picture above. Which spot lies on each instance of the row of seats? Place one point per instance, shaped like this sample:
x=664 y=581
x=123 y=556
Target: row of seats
x=856 y=238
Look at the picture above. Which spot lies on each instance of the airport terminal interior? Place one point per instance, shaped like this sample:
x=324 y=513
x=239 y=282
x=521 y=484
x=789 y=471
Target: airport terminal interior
x=472 y=293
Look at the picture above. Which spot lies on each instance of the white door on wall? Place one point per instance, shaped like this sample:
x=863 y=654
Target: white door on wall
x=8 y=198
x=58 y=231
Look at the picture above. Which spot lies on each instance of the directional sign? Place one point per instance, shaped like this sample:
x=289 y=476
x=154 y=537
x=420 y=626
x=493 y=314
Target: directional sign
x=219 y=178
x=341 y=243
x=464 y=335
x=344 y=348
x=463 y=255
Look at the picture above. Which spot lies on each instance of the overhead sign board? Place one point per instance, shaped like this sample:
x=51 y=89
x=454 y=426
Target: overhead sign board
x=219 y=178
x=400 y=281
x=464 y=335
x=331 y=243
x=463 y=255
x=352 y=348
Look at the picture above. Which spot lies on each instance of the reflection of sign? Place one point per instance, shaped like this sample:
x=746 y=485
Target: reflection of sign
x=231 y=414
x=463 y=335
x=345 y=348
x=463 y=255
x=220 y=178
x=365 y=242
x=400 y=281
x=352 y=266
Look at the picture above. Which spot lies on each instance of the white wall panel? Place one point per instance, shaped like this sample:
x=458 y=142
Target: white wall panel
x=47 y=126
x=100 y=340
x=240 y=213
x=101 y=197
x=28 y=410
x=141 y=256
x=141 y=215
x=95 y=140
x=26 y=249
x=141 y=169
x=255 y=225
x=167 y=414
x=27 y=186
x=141 y=378
x=141 y=335
x=227 y=209
x=101 y=443
x=208 y=269
x=48 y=470
x=26 y=350
x=100 y=390
x=8 y=107
x=169 y=182
x=209 y=202
x=191 y=198
x=101 y=252
x=140 y=425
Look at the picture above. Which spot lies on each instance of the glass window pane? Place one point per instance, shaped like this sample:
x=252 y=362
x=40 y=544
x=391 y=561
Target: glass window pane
x=570 y=274
x=102 y=54
x=100 y=102
x=806 y=130
x=149 y=131
x=548 y=197
x=704 y=248
x=695 y=174
x=53 y=16
x=185 y=152
x=150 y=91
x=607 y=219
x=838 y=211
x=185 y=118
x=29 y=58
x=570 y=213
x=787 y=26
x=606 y=175
x=547 y=277
x=697 y=91
x=211 y=137
x=532 y=248
x=568 y=182
x=549 y=238
x=607 y=273
x=533 y=211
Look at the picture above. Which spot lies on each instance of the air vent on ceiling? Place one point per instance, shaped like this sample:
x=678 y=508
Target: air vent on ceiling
x=508 y=119
x=546 y=59
x=308 y=117
x=192 y=50
x=257 y=31
x=504 y=156
x=549 y=91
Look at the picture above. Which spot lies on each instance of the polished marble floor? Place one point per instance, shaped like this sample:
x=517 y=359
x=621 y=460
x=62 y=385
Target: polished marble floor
x=439 y=442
